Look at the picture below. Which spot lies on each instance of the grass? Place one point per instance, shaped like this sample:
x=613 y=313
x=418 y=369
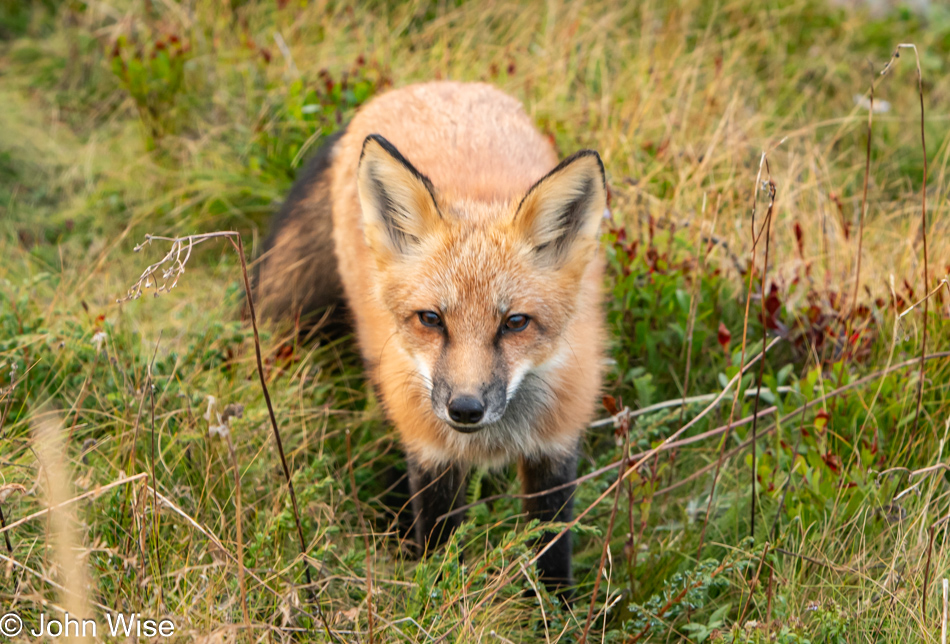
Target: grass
x=132 y=117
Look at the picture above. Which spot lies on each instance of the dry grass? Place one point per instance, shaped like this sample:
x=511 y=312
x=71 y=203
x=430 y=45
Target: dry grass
x=681 y=101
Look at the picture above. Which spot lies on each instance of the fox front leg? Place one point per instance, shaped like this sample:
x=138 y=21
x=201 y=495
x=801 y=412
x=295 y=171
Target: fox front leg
x=434 y=493
x=538 y=475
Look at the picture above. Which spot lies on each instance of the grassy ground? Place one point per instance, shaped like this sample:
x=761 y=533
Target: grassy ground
x=131 y=117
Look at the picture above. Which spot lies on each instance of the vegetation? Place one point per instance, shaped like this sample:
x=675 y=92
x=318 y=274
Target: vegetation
x=735 y=136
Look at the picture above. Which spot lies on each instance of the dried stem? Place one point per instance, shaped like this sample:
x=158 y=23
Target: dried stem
x=610 y=529
x=923 y=228
x=745 y=335
x=864 y=208
x=155 y=514
x=6 y=535
x=85 y=495
x=755 y=578
x=365 y=530
x=131 y=462
x=3 y=417
x=923 y=221
x=239 y=247
x=765 y=331
x=240 y=531
x=930 y=550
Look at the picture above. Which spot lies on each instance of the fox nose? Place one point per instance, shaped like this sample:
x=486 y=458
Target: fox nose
x=466 y=410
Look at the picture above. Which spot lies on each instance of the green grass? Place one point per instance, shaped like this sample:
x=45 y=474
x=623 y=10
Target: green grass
x=102 y=143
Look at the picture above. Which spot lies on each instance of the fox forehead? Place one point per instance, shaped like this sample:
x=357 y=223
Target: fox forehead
x=475 y=270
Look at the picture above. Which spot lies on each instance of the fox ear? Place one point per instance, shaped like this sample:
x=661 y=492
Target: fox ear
x=397 y=200
x=561 y=213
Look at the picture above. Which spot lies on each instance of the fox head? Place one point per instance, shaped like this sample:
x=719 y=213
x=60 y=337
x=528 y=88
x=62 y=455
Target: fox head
x=480 y=293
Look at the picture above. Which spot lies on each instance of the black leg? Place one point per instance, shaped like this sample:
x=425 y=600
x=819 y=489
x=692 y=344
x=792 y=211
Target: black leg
x=538 y=475
x=435 y=492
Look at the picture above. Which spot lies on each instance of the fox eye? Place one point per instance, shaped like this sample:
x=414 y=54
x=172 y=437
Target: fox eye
x=430 y=318
x=517 y=322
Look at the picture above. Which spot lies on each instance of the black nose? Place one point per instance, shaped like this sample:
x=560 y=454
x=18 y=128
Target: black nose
x=467 y=410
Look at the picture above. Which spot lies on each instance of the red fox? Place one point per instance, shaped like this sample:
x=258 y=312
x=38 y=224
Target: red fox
x=467 y=257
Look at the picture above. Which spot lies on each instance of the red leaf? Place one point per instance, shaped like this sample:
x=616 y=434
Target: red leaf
x=910 y=290
x=799 y=236
x=610 y=404
x=772 y=306
x=724 y=337
x=833 y=462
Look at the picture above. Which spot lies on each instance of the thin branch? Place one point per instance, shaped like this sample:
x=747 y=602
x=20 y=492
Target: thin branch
x=238 y=511
x=923 y=223
x=365 y=530
x=85 y=495
x=765 y=331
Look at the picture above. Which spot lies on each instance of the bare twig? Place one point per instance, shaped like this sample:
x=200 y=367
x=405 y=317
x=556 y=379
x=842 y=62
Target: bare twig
x=146 y=388
x=765 y=332
x=85 y=495
x=943 y=626
x=930 y=550
x=610 y=529
x=755 y=577
x=156 y=515
x=745 y=335
x=162 y=276
x=626 y=412
x=6 y=535
x=864 y=209
x=238 y=525
x=365 y=530
x=923 y=300
x=923 y=223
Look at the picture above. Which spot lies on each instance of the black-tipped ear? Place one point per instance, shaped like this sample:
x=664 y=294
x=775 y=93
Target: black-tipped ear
x=398 y=201
x=561 y=213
